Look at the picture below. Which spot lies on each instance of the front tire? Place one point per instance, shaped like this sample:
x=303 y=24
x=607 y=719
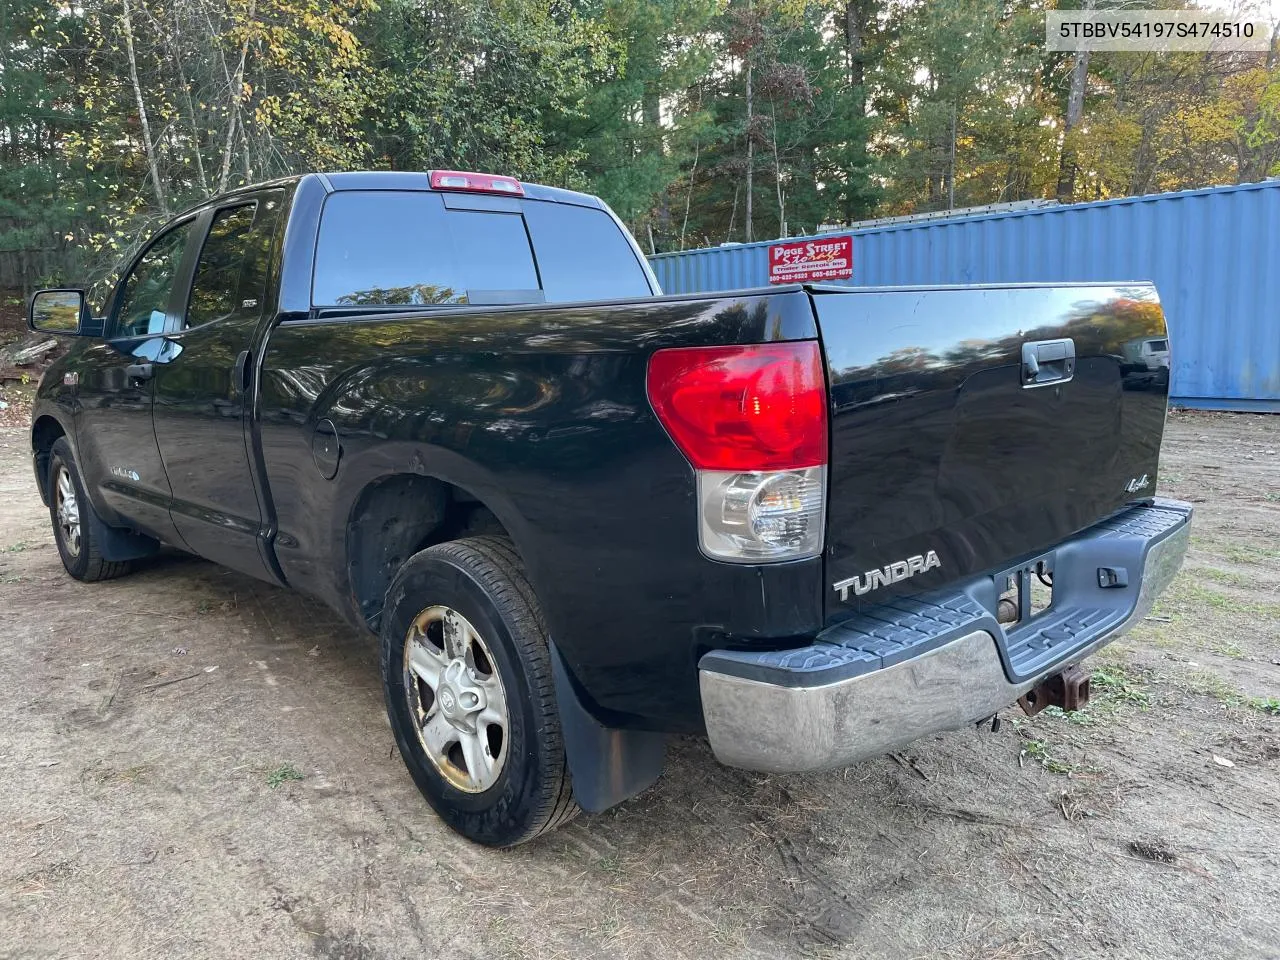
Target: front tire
x=73 y=520
x=467 y=676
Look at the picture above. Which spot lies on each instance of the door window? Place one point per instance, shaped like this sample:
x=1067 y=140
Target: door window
x=145 y=296
x=224 y=259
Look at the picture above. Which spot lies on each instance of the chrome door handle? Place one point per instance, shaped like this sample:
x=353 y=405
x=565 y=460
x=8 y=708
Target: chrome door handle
x=139 y=372
x=1048 y=361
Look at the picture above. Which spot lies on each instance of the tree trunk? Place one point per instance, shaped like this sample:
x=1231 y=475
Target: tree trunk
x=855 y=40
x=1075 y=112
x=733 y=214
x=777 y=179
x=751 y=151
x=651 y=107
x=10 y=139
x=951 y=164
x=191 y=110
x=688 y=198
x=234 y=97
x=225 y=172
x=245 y=157
x=1140 y=181
x=856 y=17
x=142 y=113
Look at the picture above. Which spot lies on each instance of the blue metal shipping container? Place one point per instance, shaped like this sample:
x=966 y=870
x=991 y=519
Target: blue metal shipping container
x=1211 y=254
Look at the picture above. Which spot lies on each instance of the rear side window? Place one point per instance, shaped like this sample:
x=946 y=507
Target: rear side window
x=583 y=254
x=215 y=293
x=383 y=248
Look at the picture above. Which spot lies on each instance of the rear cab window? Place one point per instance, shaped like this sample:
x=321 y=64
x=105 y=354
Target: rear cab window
x=423 y=248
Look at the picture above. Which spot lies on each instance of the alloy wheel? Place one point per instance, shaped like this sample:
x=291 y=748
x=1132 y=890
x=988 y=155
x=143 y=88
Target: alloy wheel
x=68 y=511
x=456 y=698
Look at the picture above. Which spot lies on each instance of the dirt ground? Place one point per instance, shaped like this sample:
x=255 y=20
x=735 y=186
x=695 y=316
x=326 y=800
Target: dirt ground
x=193 y=764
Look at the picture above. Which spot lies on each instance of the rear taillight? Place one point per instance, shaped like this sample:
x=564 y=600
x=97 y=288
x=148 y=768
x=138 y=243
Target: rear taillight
x=753 y=422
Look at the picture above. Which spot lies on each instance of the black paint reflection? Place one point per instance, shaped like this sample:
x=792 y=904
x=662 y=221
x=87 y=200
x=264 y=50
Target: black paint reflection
x=541 y=413
x=938 y=445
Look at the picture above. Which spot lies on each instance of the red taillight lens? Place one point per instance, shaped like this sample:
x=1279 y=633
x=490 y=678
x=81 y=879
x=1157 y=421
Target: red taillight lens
x=475 y=182
x=756 y=407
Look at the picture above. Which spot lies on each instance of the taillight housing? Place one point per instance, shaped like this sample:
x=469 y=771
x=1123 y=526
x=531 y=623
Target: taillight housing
x=752 y=420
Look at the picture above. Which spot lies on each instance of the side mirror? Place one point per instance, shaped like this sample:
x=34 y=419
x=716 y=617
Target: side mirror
x=57 y=311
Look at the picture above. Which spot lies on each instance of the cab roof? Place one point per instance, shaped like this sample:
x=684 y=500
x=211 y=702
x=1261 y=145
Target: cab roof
x=414 y=180
x=391 y=180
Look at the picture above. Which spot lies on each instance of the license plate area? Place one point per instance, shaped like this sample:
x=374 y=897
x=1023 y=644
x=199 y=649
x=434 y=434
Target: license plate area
x=1026 y=592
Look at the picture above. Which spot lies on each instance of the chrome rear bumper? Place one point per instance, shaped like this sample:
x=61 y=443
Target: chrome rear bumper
x=785 y=713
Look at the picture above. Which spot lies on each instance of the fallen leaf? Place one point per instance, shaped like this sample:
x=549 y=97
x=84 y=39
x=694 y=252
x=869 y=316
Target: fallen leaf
x=1222 y=761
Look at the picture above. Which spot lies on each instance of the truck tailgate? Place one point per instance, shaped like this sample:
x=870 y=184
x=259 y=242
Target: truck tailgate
x=982 y=424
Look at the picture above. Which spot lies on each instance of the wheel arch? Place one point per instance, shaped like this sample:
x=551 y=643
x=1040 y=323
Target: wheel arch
x=395 y=515
x=46 y=430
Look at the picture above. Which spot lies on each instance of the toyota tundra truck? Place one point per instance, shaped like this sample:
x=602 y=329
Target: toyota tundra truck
x=812 y=523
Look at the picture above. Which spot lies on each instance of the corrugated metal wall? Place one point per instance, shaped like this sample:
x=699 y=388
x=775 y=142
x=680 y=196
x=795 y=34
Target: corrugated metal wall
x=1213 y=255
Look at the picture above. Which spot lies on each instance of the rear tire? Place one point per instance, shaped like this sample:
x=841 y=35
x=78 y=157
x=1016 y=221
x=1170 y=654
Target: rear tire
x=73 y=520
x=467 y=676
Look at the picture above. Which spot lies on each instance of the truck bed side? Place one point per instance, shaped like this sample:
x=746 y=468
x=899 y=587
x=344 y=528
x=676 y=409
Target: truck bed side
x=541 y=414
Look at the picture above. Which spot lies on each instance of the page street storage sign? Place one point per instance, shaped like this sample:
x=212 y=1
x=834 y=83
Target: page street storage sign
x=828 y=258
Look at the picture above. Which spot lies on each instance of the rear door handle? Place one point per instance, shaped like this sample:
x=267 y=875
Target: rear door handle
x=139 y=371
x=1048 y=361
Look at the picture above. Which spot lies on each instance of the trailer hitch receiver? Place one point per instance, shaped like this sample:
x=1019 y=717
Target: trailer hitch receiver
x=1068 y=690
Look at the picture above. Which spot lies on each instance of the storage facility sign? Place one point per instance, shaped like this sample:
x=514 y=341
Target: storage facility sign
x=826 y=258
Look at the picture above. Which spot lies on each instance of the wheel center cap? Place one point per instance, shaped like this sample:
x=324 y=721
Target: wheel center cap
x=458 y=696
x=448 y=702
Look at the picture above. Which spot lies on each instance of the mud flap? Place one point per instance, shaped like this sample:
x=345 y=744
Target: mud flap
x=607 y=765
x=116 y=545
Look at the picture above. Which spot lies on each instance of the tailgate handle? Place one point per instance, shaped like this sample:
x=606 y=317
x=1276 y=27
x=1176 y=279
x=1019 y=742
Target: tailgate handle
x=1048 y=361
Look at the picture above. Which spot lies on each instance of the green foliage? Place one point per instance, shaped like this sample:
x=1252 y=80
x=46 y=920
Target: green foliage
x=1042 y=753
x=699 y=121
x=484 y=85
x=283 y=774
x=1115 y=684
x=1269 y=705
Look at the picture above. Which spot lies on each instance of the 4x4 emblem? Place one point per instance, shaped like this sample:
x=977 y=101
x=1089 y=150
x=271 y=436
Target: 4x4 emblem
x=1137 y=483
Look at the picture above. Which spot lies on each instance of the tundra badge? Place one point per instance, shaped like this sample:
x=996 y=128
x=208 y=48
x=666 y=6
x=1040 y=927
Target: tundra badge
x=891 y=573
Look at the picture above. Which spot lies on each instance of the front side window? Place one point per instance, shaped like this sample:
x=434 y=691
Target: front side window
x=149 y=286
x=215 y=291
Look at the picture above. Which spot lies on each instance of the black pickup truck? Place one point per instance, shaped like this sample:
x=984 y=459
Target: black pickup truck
x=812 y=523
